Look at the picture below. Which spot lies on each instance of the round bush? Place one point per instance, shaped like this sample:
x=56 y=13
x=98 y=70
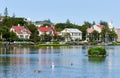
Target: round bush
x=96 y=51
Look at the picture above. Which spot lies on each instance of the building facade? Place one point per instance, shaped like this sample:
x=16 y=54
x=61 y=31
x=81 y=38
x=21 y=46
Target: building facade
x=118 y=34
x=73 y=34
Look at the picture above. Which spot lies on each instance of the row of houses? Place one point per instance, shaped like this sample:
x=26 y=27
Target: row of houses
x=24 y=33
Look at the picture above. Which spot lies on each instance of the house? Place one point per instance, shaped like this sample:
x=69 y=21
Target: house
x=21 y=31
x=47 y=30
x=97 y=28
x=118 y=34
x=73 y=33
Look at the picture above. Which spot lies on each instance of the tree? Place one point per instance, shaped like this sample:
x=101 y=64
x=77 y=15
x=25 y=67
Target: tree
x=4 y=31
x=67 y=36
x=13 y=15
x=34 y=36
x=112 y=35
x=46 y=24
x=58 y=38
x=60 y=26
x=10 y=21
x=0 y=16
x=104 y=23
x=104 y=34
x=13 y=37
x=93 y=23
x=84 y=28
x=45 y=37
x=95 y=35
x=6 y=12
x=68 y=21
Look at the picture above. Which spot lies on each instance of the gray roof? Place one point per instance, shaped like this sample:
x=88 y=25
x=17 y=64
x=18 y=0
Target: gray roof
x=73 y=30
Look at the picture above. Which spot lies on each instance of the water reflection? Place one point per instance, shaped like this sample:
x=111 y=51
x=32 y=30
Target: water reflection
x=60 y=62
x=96 y=59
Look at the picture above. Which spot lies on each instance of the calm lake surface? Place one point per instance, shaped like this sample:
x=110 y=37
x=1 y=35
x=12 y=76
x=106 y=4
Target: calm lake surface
x=58 y=62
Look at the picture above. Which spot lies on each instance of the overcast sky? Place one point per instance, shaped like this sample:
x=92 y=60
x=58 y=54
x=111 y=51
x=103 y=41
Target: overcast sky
x=77 y=11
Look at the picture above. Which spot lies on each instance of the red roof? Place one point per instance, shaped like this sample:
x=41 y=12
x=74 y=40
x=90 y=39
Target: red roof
x=19 y=29
x=90 y=30
x=100 y=26
x=55 y=32
x=44 y=29
x=117 y=28
x=47 y=29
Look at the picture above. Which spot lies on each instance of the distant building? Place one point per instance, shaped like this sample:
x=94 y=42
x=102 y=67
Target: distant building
x=47 y=30
x=21 y=31
x=41 y=23
x=118 y=34
x=74 y=34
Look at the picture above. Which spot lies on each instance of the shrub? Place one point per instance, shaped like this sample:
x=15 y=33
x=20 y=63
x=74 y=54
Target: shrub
x=55 y=42
x=94 y=43
x=96 y=51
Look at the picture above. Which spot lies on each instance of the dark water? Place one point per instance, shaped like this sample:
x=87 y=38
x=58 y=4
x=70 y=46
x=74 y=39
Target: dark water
x=58 y=62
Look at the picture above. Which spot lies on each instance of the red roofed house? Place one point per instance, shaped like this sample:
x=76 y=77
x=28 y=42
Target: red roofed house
x=97 y=28
x=21 y=31
x=47 y=30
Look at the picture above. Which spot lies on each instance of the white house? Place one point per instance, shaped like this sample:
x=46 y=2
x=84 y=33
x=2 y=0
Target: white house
x=21 y=31
x=74 y=33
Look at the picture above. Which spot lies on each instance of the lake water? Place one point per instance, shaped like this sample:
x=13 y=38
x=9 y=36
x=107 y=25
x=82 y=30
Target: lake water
x=58 y=62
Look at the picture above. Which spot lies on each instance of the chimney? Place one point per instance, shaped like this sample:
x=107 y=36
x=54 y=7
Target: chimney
x=18 y=25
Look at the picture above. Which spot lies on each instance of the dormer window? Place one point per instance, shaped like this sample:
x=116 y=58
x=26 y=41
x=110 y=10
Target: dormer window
x=23 y=31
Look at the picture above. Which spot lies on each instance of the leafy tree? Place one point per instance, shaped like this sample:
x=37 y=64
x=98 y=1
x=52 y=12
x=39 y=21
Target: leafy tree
x=95 y=35
x=45 y=37
x=4 y=31
x=34 y=36
x=46 y=24
x=112 y=35
x=60 y=26
x=103 y=34
x=67 y=36
x=84 y=28
x=9 y=22
x=58 y=38
x=13 y=37
x=104 y=23
x=93 y=23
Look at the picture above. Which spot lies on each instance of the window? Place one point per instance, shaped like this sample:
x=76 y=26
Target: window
x=21 y=36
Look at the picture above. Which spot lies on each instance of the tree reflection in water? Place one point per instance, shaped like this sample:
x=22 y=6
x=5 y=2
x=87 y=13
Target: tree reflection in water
x=96 y=59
